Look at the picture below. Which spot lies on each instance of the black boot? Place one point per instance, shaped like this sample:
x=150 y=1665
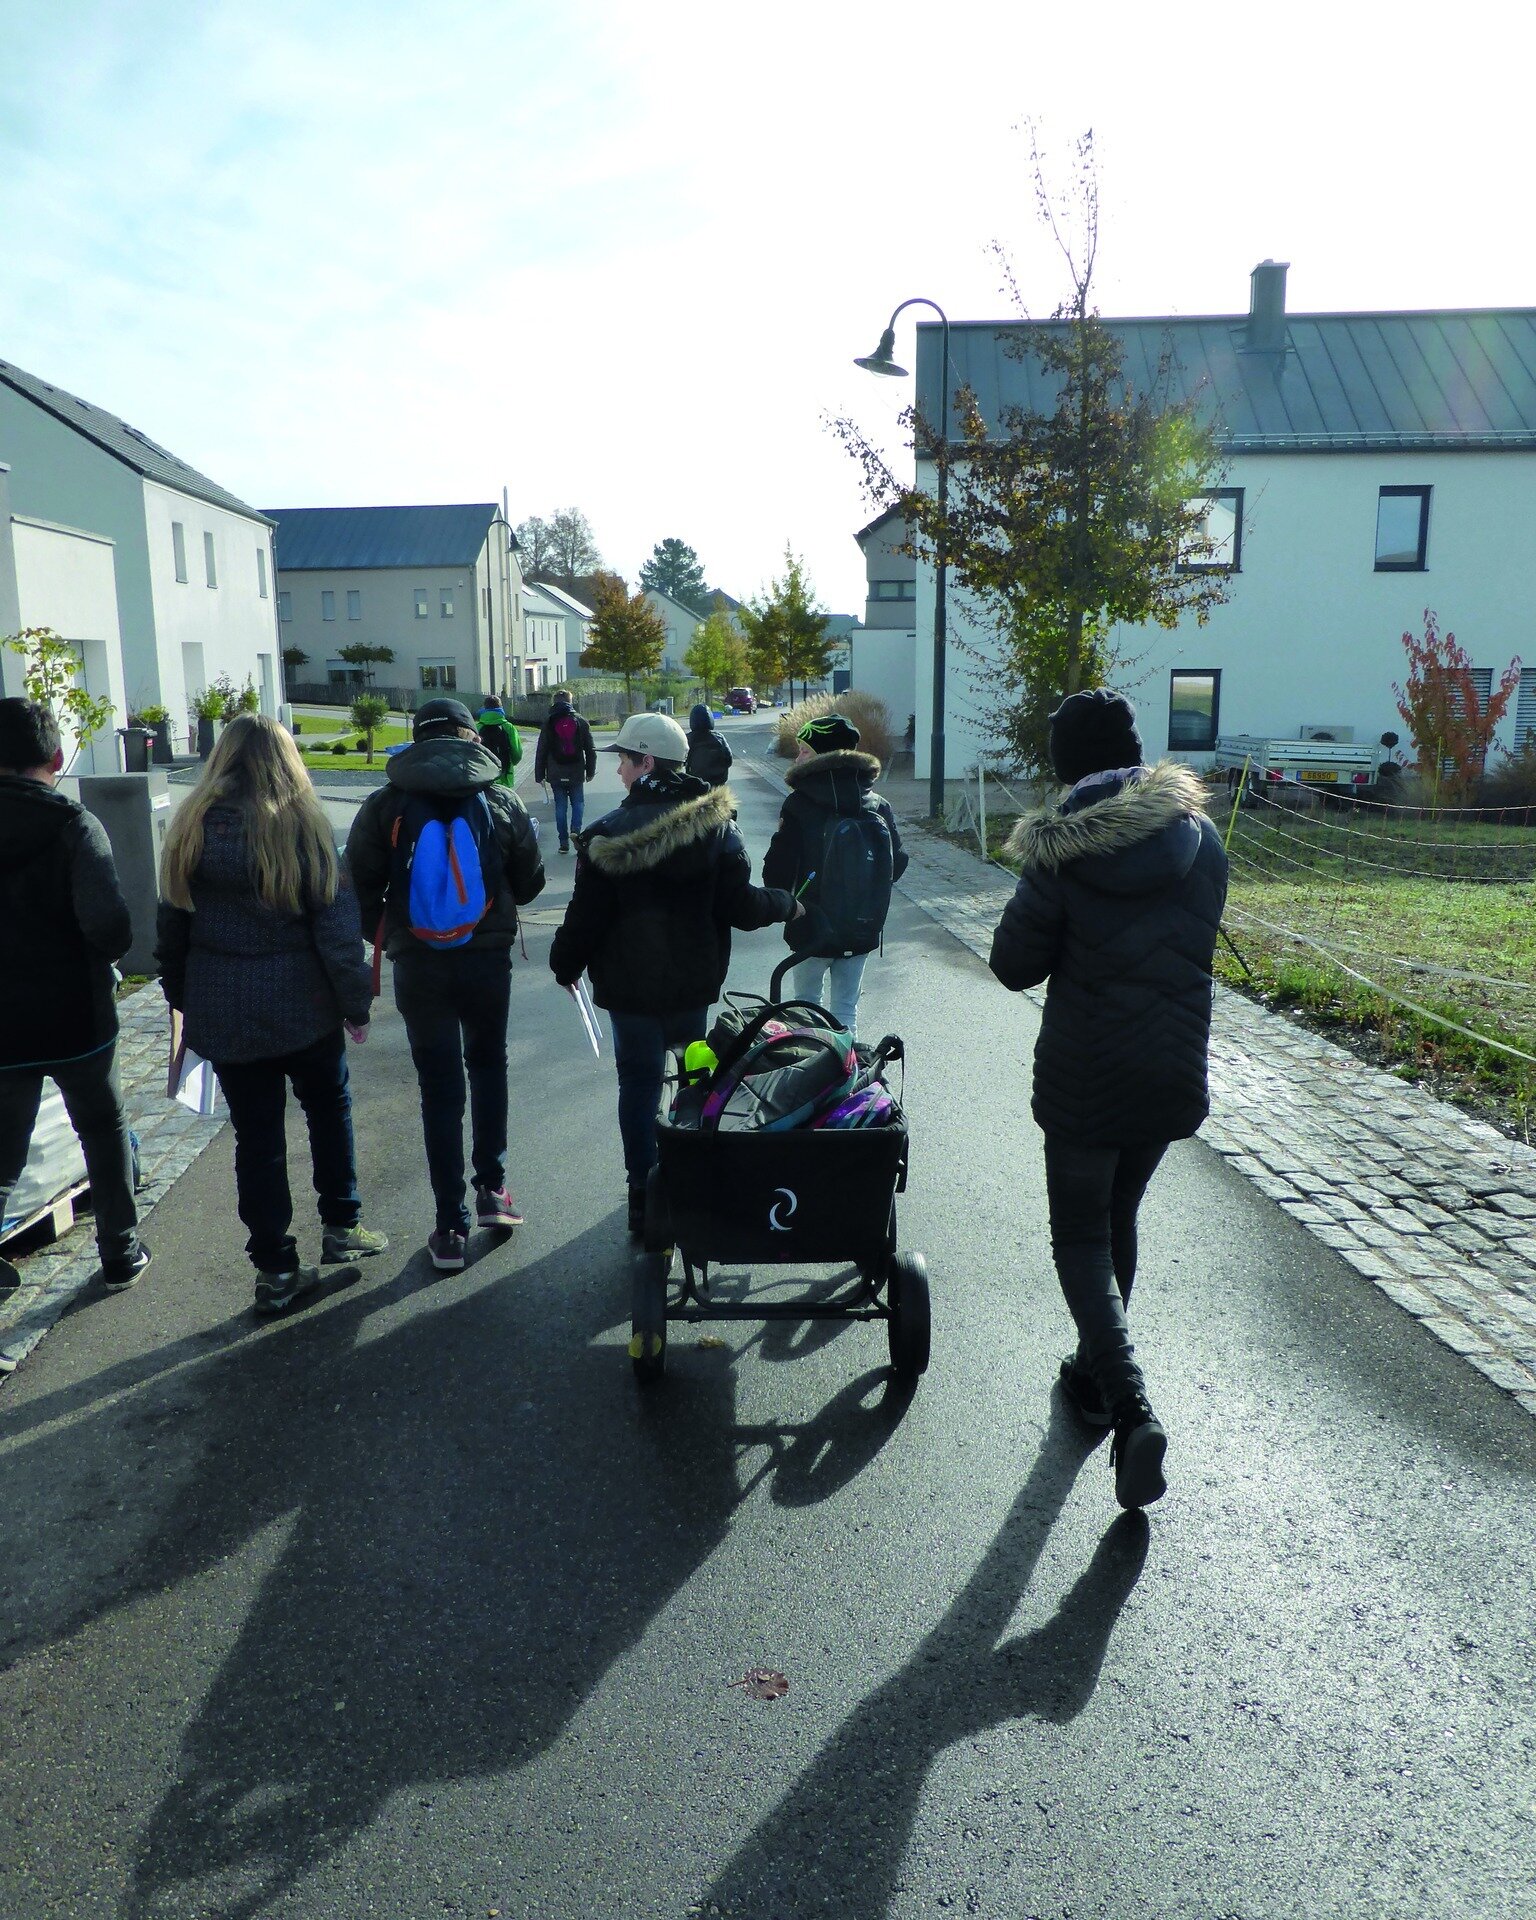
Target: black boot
x=637 y=1211
x=1136 y=1452
x=1083 y=1395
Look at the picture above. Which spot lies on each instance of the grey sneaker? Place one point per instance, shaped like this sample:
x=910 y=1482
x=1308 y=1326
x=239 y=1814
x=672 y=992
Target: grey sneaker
x=351 y=1243
x=277 y=1292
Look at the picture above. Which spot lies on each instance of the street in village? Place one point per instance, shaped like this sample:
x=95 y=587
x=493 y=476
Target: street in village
x=414 y=1604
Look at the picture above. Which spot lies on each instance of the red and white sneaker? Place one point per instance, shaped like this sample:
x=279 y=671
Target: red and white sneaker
x=496 y=1208
x=446 y=1251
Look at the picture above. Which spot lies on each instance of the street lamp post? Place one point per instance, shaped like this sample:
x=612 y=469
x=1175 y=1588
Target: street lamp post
x=881 y=361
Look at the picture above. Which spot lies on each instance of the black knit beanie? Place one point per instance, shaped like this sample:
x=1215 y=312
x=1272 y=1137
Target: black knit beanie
x=1093 y=732
x=829 y=733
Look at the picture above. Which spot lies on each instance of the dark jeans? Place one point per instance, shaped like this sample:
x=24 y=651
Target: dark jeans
x=1094 y=1193
x=640 y=1044
x=455 y=1011
x=257 y=1092
x=94 y=1102
x=570 y=798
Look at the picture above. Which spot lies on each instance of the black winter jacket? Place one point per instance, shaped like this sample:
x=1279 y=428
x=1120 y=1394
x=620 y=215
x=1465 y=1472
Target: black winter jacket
x=840 y=782
x=253 y=984
x=449 y=770
x=709 y=757
x=660 y=882
x=1118 y=905
x=63 y=921
x=550 y=764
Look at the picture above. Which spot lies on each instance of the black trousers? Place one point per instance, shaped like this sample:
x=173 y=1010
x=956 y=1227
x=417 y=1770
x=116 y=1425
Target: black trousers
x=94 y=1102
x=1094 y=1194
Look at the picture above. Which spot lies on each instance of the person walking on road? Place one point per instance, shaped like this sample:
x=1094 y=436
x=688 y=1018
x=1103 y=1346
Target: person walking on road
x=501 y=737
x=442 y=857
x=660 y=883
x=565 y=758
x=261 y=952
x=837 y=850
x=65 y=923
x=1117 y=906
x=709 y=757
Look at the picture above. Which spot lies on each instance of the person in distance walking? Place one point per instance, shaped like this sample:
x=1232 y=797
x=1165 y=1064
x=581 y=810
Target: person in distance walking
x=1118 y=902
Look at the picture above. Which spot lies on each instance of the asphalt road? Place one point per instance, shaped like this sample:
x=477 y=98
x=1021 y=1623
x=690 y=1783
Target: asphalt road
x=413 y=1605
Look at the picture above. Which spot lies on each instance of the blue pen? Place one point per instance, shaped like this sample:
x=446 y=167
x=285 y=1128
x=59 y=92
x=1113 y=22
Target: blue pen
x=805 y=883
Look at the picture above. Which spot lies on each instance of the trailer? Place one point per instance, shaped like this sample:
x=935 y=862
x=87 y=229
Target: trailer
x=1321 y=761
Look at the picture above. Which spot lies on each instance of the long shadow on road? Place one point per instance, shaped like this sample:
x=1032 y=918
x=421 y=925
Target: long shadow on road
x=835 y=1843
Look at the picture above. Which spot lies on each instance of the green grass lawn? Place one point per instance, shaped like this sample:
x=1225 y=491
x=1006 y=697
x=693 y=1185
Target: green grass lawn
x=318 y=756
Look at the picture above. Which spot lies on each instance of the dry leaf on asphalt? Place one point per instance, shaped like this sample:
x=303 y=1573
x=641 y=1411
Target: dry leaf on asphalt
x=762 y=1683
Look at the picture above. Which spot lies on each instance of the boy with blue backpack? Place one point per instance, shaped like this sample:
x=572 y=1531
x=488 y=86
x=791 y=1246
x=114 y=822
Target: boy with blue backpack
x=442 y=857
x=837 y=851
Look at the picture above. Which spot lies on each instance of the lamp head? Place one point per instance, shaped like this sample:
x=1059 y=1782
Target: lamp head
x=880 y=361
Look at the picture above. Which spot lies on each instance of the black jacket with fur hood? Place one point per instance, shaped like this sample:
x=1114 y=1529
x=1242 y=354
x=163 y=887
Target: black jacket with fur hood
x=1118 y=904
x=827 y=785
x=660 y=882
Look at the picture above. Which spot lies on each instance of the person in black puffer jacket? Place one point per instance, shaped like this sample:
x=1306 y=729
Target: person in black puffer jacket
x=660 y=883
x=1118 y=903
x=261 y=952
x=709 y=758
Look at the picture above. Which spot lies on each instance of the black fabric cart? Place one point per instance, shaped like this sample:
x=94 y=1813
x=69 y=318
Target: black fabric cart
x=759 y=1199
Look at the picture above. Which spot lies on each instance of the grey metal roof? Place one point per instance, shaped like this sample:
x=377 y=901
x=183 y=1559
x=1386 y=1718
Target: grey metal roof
x=125 y=443
x=341 y=539
x=1347 y=382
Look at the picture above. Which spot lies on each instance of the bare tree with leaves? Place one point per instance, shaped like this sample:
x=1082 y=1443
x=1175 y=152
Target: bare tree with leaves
x=786 y=630
x=628 y=635
x=1069 y=518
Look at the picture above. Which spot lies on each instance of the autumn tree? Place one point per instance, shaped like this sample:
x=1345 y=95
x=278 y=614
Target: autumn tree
x=674 y=569
x=535 y=546
x=1071 y=518
x=628 y=635
x=786 y=632
x=717 y=653
x=53 y=676
x=1451 y=723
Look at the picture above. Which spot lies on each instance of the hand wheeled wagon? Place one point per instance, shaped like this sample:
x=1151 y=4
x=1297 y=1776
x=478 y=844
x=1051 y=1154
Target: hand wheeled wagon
x=805 y=1196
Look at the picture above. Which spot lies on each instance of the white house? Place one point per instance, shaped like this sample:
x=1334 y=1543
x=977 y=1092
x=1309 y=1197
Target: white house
x=882 y=653
x=1376 y=464
x=440 y=586
x=680 y=623
x=559 y=628
x=162 y=577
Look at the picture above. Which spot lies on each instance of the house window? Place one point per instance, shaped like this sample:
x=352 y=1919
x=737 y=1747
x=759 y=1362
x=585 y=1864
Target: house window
x=1525 y=710
x=208 y=566
x=439 y=675
x=1402 y=529
x=327 y=605
x=893 y=589
x=1221 y=532
x=421 y=603
x=354 y=603
x=261 y=572
x=1194 y=710
x=285 y=606
x=179 y=550
x=486 y=596
x=445 y=602
x=341 y=673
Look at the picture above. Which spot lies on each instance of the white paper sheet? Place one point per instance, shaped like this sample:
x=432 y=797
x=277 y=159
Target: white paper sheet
x=583 y=998
x=190 y=1079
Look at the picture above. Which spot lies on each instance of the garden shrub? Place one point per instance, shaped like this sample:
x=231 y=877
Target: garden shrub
x=340 y=746
x=872 y=717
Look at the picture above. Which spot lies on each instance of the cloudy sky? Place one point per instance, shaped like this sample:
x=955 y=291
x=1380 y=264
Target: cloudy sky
x=620 y=257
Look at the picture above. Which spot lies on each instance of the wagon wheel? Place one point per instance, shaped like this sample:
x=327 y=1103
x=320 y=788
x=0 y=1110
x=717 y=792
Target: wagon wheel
x=909 y=1327
x=648 y=1315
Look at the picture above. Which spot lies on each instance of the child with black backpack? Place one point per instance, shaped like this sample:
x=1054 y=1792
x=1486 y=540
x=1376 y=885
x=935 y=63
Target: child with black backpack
x=838 y=852
x=442 y=857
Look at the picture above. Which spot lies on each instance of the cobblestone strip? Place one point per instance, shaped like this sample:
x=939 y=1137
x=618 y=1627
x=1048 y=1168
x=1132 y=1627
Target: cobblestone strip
x=1436 y=1209
x=170 y=1139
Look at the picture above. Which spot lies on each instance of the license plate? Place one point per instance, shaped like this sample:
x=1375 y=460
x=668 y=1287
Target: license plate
x=1317 y=773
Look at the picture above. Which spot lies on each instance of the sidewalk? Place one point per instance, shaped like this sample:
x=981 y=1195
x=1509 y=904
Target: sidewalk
x=1436 y=1209
x=170 y=1139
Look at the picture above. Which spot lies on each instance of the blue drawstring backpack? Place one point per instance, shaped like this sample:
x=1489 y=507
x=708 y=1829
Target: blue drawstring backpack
x=444 y=868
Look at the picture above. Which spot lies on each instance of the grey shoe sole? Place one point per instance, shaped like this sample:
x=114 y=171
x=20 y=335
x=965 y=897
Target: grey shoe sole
x=121 y=1284
x=277 y=1292
x=332 y=1252
x=1139 y=1476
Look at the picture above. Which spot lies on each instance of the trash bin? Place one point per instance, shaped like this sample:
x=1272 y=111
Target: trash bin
x=135 y=809
x=135 y=748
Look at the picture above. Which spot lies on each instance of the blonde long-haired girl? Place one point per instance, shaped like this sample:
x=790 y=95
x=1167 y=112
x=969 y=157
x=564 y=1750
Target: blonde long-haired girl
x=261 y=952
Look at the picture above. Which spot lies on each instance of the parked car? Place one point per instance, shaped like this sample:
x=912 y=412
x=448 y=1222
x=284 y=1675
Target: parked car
x=741 y=700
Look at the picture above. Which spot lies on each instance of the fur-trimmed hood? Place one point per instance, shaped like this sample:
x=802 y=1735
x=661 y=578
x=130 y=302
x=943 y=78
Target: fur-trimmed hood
x=660 y=830
x=837 y=780
x=1137 y=838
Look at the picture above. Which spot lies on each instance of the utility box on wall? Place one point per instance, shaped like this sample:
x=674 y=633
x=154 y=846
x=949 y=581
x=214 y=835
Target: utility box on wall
x=135 y=809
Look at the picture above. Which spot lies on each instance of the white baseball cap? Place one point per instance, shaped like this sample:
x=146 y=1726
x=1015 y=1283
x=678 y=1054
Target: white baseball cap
x=654 y=733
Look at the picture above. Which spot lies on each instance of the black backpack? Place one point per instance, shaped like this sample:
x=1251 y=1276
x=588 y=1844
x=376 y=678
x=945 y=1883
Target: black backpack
x=853 y=884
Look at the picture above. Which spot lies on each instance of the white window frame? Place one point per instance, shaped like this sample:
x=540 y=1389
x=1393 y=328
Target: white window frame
x=284 y=604
x=354 y=603
x=438 y=668
x=445 y=603
x=179 y=550
x=210 y=561
x=422 y=609
x=261 y=573
x=327 y=603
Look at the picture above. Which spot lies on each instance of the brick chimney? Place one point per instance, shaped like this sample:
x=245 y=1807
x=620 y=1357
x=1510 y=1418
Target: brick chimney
x=1266 y=308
